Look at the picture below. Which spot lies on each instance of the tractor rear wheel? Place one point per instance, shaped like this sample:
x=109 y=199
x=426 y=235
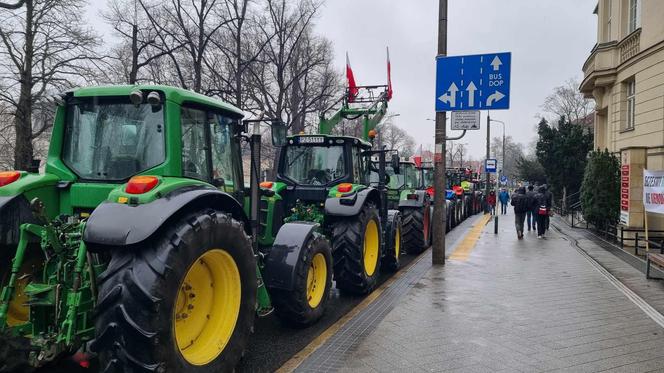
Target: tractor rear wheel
x=356 y=243
x=306 y=303
x=184 y=302
x=415 y=230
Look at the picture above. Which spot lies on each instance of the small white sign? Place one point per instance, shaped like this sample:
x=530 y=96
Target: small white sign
x=466 y=120
x=624 y=217
x=653 y=191
x=490 y=165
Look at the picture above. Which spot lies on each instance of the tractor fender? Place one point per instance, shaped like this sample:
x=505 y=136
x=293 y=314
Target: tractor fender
x=351 y=206
x=14 y=211
x=116 y=224
x=419 y=202
x=286 y=252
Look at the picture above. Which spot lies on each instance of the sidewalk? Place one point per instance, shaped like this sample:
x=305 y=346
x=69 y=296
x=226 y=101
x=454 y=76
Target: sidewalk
x=501 y=305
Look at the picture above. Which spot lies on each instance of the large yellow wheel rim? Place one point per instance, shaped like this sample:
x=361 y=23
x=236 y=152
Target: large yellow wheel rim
x=18 y=312
x=207 y=307
x=371 y=248
x=397 y=243
x=316 y=280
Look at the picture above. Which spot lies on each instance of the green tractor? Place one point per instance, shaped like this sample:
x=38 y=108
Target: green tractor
x=325 y=178
x=408 y=194
x=139 y=243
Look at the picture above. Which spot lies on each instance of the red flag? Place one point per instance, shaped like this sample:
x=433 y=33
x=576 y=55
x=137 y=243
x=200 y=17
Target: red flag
x=389 y=76
x=352 y=87
x=418 y=157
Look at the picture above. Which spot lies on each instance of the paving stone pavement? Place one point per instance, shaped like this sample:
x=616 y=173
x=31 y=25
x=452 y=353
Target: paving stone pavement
x=513 y=306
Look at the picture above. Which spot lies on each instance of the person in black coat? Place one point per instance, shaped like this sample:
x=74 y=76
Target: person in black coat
x=542 y=211
x=522 y=205
x=531 y=215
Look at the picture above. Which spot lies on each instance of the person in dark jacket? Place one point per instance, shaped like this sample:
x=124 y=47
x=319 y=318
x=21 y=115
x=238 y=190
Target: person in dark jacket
x=531 y=215
x=522 y=205
x=542 y=211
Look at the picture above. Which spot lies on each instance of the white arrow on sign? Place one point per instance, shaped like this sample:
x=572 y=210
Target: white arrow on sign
x=496 y=63
x=471 y=94
x=450 y=96
x=496 y=96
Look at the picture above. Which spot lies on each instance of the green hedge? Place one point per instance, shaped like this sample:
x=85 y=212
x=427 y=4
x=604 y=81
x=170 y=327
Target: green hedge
x=600 y=190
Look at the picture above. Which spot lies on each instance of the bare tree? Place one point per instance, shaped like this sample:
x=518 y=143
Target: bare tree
x=294 y=77
x=566 y=100
x=395 y=137
x=140 y=44
x=514 y=152
x=191 y=24
x=46 y=48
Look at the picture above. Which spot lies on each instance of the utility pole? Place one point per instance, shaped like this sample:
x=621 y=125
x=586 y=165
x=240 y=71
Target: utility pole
x=439 y=215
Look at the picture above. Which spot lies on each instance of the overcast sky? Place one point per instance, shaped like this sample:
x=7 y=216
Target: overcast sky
x=549 y=41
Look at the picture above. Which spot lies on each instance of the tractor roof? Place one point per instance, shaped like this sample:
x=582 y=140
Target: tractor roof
x=175 y=94
x=361 y=142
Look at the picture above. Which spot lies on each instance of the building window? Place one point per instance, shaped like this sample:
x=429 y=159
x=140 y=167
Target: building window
x=634 y=15
x=631 y=104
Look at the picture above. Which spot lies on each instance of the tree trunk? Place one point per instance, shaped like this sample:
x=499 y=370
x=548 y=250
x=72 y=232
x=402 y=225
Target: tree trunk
x=23 y=152
x=133 y=73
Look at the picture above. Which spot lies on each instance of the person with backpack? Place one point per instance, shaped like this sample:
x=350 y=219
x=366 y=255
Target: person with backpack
x=542 y=211
x=522 y=204
x=531 y=215
x=549 y=204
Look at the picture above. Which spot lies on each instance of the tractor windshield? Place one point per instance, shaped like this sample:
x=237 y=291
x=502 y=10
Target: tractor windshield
x=315 y=165
x=427 y=176
x=112 y=139
x=406 y=179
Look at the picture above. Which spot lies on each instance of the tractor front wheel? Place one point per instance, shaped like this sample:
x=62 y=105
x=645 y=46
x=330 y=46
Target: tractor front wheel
x=356 y=251
x=391 y=259
x=184 y=302
x=306 y=303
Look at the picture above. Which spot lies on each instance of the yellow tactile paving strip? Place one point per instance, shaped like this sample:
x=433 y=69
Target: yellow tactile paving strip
x=462 y=251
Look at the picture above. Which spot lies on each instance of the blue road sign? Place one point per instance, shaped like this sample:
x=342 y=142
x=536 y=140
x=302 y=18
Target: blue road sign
x=475 y=82
x=503 y=179
x=490 y=165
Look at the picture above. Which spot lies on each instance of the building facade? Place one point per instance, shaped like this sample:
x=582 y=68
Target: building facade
x=625 y=75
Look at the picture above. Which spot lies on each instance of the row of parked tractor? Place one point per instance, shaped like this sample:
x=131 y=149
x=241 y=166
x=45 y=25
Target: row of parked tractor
x=140 y=248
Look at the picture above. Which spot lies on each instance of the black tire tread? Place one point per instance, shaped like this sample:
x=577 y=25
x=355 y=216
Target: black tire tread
x=413 y=231
x=128 y=341
x=347 y=252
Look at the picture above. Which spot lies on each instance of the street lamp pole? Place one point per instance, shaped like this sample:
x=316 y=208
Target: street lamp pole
x=489 y=120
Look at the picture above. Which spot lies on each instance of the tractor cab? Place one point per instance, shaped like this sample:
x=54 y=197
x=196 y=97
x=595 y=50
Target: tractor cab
x=406 y=179
x=313 y=165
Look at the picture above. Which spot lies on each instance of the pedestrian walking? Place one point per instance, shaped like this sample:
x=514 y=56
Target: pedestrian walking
x=504 y=198
x=549 y=204
x=491 y=200
x=522 y=204
x=542 y=211
x=531 y=215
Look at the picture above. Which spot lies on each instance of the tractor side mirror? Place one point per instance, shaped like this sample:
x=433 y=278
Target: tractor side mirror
x=278 y=133
x=396 y=164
